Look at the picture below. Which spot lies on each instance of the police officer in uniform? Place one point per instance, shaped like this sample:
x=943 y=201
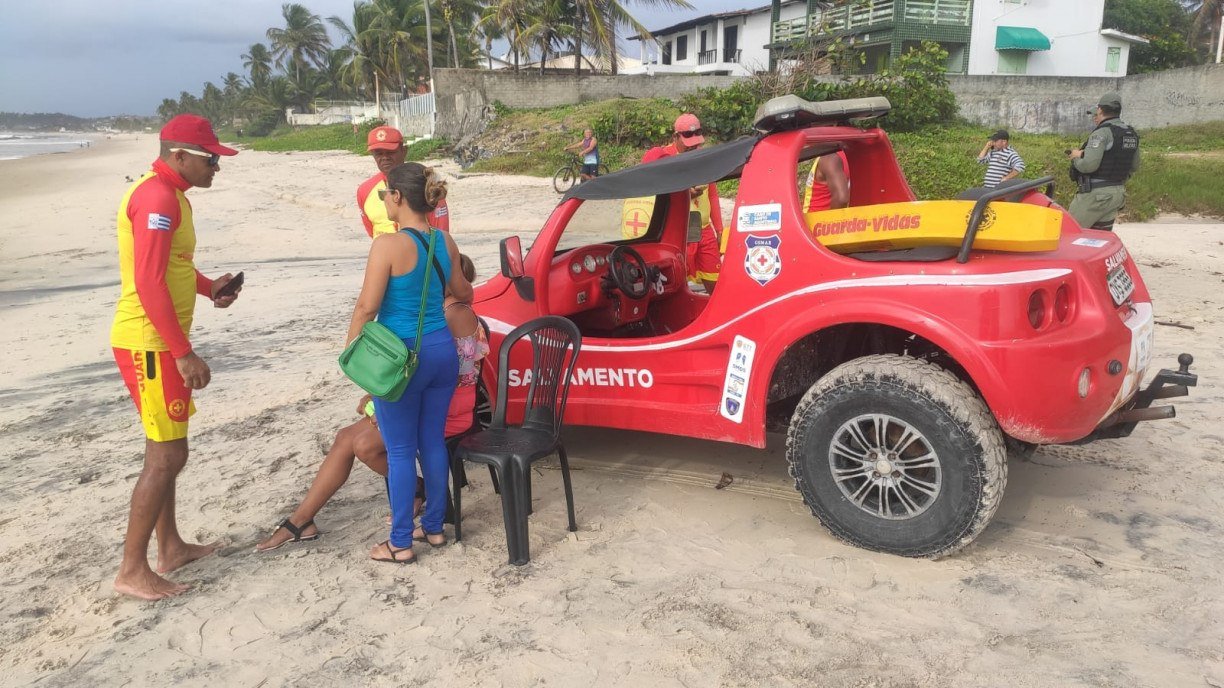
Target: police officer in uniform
x=1102 y=165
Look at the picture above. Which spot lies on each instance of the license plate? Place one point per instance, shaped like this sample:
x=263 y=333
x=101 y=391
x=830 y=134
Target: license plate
x=1121 y=286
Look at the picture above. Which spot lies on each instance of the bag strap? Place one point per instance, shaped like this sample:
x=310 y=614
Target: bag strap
x=436 y=265
x=433 y=235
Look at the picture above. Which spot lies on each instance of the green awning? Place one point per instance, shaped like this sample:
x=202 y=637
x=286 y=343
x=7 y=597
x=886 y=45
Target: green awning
x=1020 y=38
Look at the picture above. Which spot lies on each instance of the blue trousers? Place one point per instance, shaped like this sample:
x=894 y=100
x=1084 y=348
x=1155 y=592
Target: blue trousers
x=416 y=423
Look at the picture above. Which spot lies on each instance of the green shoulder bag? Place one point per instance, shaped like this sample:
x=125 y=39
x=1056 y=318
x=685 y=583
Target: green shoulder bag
x=377 y=360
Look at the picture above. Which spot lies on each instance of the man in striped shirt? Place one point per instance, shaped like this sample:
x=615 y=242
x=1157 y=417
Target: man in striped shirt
x=1001 y=160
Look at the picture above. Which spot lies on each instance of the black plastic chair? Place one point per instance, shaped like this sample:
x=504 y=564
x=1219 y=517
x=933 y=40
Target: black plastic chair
x=510 y=450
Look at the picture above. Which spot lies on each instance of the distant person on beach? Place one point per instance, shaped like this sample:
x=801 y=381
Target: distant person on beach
x=705 y=215
x=362 y=441
x=396 y=273
x=588 y=150
x=158 y=289
x=386 y=146
x=1002 y=161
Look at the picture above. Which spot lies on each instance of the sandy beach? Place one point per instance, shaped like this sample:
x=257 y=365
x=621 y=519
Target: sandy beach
x=1102 y=567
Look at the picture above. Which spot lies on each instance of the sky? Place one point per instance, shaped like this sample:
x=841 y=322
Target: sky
x=93 y=58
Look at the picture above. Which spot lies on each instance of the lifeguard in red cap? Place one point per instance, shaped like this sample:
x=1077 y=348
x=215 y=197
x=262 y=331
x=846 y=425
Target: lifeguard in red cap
x=705 y=216
x=386 y=146
x=158 y=289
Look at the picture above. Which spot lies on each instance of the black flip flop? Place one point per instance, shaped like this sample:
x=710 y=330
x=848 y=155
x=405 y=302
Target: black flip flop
x=392 y=551
x=295 y=531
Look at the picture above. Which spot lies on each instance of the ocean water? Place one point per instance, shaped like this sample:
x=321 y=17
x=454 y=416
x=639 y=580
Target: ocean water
x=23 y=145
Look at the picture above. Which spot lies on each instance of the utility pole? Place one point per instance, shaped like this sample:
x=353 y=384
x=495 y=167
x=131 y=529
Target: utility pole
x=1220 y=40
x=428 y=43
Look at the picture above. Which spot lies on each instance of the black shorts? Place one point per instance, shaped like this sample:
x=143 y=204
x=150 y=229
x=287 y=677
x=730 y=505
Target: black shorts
x=591 y=170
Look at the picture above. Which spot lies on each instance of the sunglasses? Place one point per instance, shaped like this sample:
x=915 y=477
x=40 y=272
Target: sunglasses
x=213 y=158
x=690 y=134
x=382 y=193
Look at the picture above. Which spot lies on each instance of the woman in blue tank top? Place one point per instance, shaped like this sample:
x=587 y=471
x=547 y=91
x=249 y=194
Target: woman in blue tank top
x=394 y=277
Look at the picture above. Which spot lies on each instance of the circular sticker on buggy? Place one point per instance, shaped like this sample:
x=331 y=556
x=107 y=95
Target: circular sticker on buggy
x=762 y=261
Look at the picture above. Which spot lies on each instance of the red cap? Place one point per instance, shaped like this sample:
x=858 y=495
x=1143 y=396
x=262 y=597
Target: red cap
x=689 y=129
x=384 y=138
x=194 y=130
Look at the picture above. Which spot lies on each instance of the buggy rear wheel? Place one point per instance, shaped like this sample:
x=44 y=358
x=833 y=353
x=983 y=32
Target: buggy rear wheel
x=897 y=455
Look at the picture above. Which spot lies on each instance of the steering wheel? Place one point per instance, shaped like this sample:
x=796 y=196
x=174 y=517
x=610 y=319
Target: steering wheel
x=628 y=271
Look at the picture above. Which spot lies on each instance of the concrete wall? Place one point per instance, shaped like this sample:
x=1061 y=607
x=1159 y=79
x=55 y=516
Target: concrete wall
x=1034 y=104
x=1178 y=96
x=465 y=97
x=1058 y=104
x=1020 y=103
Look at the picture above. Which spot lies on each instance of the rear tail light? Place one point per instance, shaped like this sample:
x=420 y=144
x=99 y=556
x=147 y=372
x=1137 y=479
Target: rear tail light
x=1062 y=303
x=1037 y=309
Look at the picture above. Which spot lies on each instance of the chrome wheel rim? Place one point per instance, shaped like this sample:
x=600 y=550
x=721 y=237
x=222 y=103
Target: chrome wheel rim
x=885 y=466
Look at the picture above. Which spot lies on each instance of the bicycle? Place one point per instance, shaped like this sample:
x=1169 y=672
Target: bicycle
x=570 y=173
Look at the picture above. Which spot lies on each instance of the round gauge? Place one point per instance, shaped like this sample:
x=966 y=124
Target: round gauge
x=575 y=268
x=589 y=263
x=601 y=260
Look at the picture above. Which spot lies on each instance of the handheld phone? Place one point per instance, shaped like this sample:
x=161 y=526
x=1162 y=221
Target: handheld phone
x=230 y=287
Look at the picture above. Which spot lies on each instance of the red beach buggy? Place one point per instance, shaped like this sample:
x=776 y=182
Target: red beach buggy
x=904 y=344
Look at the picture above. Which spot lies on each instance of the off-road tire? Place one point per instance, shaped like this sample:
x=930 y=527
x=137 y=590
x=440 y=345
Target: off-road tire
x=564 y=179
x=952 y=419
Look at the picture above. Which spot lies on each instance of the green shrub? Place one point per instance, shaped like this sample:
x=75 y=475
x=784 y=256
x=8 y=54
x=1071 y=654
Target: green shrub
x=725 y=113
x=638 y=124
x=425 y=149
x=263 y=123
x=916 y=85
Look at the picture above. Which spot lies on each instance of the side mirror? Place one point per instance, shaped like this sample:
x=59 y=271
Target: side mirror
x=512 y=257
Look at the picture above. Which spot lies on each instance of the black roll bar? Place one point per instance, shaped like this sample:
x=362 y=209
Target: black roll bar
x=979 y=209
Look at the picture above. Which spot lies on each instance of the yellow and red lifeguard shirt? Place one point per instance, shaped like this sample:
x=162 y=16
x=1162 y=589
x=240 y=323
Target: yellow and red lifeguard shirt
x=374 y=212
x=816 y=195
x=158 y=279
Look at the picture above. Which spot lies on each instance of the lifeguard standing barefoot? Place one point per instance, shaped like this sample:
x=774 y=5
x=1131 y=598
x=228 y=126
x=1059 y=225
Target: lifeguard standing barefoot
x=159 y=285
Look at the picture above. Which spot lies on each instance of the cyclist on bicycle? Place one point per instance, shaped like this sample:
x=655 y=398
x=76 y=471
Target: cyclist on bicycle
x=588 y=150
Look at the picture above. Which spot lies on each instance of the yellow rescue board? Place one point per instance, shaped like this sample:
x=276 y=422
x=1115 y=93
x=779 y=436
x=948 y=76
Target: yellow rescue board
x=1017 y=227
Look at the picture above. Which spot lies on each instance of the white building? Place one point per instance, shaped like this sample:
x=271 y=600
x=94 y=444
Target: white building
x=733 y=43
x=1046 y=38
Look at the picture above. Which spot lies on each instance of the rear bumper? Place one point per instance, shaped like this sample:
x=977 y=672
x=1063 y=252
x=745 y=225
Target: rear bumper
x=1167 y=384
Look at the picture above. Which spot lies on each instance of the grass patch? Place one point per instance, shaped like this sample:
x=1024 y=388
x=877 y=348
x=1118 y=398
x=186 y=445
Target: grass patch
x=532 y=140
x=331 y=137
x=325 y=137
x=1208 y=136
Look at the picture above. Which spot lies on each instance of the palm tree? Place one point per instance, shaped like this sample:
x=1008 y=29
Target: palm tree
x=1207 y=16
x=258 y=63
x=231 y=87
x=550 y=26
x=601 y=19
x=463 y=12
x=508 y=19
x=169 y=108
x=303 y=41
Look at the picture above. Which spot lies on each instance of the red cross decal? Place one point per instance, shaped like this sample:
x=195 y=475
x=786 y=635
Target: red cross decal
x=635 y=223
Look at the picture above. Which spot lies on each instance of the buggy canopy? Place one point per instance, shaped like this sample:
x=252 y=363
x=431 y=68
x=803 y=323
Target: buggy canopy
x=671 y=174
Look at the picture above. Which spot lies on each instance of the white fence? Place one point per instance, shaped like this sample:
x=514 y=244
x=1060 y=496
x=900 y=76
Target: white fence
x=414 y=115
